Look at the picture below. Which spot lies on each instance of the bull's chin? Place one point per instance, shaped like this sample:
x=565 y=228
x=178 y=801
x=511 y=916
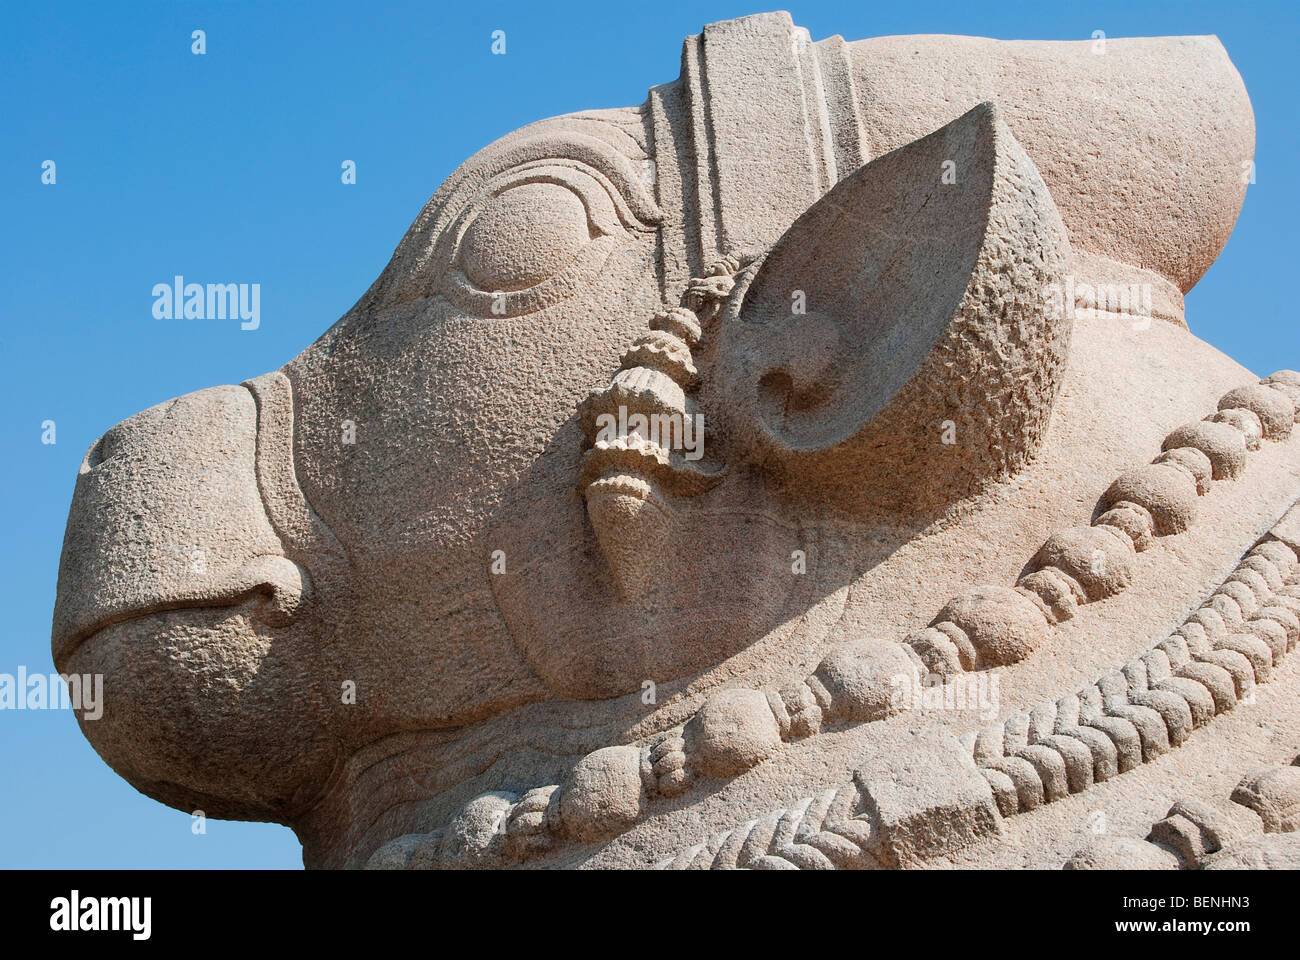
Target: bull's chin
x=195 y=706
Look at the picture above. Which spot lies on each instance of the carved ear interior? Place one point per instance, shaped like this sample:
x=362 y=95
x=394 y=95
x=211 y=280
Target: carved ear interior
x=900 y=342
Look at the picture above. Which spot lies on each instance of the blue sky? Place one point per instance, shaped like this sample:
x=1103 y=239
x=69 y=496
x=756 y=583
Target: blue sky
x=227 y=166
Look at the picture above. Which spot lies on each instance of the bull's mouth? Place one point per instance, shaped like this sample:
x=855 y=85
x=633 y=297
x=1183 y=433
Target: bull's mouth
x=274 y=586
x=235 y=446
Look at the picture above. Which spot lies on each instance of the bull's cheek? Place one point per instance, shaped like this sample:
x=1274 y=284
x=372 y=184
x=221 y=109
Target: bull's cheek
x=418 y=421
x=703 y=606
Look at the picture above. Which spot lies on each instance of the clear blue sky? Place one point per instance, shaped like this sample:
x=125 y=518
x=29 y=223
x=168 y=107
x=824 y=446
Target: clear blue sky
x=226 y=167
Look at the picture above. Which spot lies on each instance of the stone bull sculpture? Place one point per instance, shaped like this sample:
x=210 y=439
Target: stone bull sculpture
x=749 y=478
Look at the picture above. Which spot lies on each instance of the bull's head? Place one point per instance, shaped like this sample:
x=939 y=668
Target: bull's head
x=825 y=249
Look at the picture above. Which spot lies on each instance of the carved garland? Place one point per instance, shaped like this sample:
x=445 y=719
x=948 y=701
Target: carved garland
x=1152 y=703
x=1125 y=719
x=1265 y=801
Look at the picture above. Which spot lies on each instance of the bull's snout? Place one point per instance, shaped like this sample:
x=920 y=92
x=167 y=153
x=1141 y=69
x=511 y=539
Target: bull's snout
x=174 y=587
x=166 y=515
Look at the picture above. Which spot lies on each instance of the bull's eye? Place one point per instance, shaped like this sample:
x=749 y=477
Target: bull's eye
x=524 y=235
x=534 y=234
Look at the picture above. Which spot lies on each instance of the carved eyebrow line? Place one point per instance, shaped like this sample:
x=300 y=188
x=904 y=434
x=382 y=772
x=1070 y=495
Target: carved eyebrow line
x=571 y=174
x=623 y=172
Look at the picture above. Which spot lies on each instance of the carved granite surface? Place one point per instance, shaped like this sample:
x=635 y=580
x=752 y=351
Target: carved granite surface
x=811 y=467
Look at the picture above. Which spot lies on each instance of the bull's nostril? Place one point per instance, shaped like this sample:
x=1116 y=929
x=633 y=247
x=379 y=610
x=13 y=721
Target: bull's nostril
x=102 y=449
x=283 y=587
x=142 y=429
x=94 y=456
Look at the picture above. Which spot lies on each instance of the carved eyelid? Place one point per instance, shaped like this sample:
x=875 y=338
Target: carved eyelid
x=624 y=177
x=605 y=207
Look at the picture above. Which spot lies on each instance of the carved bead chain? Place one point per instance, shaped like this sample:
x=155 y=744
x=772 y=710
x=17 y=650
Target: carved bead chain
x=1200 y=670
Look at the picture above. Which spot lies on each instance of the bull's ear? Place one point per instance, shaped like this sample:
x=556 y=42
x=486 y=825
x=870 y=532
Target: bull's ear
x=904 y=341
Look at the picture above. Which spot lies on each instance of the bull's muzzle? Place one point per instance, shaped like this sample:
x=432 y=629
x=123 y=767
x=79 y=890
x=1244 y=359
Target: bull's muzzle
x=167 y=515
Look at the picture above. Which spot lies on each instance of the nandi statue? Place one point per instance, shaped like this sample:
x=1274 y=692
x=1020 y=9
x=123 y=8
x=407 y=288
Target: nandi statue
x=811 y=467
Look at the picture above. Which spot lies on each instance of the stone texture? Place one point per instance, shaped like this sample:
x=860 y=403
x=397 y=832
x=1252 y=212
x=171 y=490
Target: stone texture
x=963 y=541
x=928 y=799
